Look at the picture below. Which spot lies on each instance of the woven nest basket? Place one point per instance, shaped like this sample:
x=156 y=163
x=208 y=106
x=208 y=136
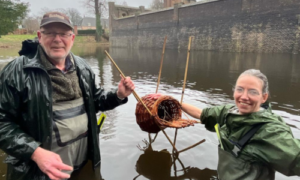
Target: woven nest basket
x=165 y=110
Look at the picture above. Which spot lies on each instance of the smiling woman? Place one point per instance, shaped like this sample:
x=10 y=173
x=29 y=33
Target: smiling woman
x=250 y=91
x=250 y=134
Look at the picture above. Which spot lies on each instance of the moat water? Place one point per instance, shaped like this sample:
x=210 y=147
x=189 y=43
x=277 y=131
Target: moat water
x=210 y=78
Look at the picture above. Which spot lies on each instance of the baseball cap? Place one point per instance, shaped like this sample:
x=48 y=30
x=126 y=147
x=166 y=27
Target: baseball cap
x=52 y=17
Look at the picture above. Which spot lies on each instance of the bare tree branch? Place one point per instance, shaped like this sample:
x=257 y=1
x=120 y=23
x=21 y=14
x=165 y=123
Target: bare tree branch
x=102 y=6
x=74 y=15
x=31 y=23
x=157 y=4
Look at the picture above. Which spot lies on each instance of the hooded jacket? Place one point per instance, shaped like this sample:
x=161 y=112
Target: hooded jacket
x=26 y=111
x=272 y=148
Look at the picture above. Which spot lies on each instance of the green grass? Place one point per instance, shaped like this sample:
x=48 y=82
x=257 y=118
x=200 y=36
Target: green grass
x=81 y=39
x=16 y=40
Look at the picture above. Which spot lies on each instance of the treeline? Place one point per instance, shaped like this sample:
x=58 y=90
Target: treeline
x=15 y=14
x=31 y=23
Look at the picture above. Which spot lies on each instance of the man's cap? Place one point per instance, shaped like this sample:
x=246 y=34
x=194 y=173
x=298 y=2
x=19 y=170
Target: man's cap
x=53 y=17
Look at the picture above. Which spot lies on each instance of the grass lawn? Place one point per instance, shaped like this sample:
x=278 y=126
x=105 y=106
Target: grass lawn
x=7 y=41
x=13 y=40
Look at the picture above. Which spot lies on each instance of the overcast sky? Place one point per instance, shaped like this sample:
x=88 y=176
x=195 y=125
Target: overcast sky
x=36 y=5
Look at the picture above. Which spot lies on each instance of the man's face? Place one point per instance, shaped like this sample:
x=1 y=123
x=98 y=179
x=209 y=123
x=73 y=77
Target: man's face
x=57 y=40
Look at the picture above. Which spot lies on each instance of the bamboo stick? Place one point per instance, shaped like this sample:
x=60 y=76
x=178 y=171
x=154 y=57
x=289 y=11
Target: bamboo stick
x=175 y=157
x=134 y=93
x=186 y=67
x=184 y=169
x=175 y=137
x=175 y=167
x=155 y=136
x=161 y=63
x=185 y=75
x=292 y=125
x=192 y=146
x=140 y=100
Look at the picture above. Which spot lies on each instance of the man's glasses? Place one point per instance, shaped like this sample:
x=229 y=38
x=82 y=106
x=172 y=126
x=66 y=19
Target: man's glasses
x=250 y=92
x=53 y=34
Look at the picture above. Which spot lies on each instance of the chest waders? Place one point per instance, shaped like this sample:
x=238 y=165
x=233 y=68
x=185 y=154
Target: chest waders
x=232 y=167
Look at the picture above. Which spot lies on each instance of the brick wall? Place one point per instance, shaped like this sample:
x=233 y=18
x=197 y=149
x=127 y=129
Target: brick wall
x=221 y=25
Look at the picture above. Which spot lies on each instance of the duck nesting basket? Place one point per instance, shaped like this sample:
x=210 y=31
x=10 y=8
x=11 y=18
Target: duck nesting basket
x=165 y=110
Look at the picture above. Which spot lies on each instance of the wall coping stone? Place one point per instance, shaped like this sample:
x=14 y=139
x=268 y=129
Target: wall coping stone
x=167 y=9
x=200 y=2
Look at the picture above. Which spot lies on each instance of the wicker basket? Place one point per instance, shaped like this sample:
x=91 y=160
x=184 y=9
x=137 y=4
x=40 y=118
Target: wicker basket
x=166 y=112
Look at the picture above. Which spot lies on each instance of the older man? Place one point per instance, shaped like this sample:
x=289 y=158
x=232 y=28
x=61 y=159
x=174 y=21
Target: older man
x=48 y=106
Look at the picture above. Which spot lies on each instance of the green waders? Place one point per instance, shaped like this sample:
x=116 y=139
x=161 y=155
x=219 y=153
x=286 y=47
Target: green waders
x=233 y=167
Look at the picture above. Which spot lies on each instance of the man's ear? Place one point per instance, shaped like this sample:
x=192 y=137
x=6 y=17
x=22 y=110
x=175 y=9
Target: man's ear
x=73 y=37
x=39 y=34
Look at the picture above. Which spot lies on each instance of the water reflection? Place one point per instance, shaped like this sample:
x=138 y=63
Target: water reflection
x=3 y=62
x=210 y=71
x=156 y=165
x=87 y=173
x=210 y=78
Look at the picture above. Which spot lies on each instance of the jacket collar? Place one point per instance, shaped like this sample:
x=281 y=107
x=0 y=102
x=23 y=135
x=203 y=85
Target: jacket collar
x=237 y=121
x=34 y=62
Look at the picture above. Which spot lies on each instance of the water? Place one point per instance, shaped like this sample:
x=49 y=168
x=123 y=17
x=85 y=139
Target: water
x=210 y=78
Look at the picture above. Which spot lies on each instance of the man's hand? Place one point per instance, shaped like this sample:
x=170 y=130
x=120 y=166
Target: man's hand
x=50 y=164
x=125 y=87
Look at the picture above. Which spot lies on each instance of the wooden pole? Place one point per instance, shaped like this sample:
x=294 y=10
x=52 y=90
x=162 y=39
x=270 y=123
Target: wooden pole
x=161 y=63
x=192 y=146
x=134 y=93
x=183 y=88
x=292 y=125
x=185 y=75
x=186 y=67
x=140 y=100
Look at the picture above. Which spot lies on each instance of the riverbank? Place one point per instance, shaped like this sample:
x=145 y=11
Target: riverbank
x=15 y=41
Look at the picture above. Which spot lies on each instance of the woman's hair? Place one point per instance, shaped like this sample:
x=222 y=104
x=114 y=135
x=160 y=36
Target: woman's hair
x=259 y=75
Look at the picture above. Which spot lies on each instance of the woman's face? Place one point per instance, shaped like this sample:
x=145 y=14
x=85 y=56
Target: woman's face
x=248 y=95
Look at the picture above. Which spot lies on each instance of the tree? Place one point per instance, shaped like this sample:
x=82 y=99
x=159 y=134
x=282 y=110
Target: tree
x=157 y=4
x=124 y=3
x=32 y=24
x=74 y=15
x=11 y=14
x=99 y=7
x=43 y=11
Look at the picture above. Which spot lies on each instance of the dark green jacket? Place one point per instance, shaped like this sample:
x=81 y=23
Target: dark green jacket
x=272 y=148
x=26 y=112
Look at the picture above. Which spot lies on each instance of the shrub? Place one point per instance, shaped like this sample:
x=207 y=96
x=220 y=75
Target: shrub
x=87 y=32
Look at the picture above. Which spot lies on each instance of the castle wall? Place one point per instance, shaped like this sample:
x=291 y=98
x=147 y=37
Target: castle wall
x=221 y=25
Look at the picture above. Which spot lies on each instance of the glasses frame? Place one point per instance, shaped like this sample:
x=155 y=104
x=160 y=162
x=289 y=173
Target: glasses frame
x=250 y=92
x=54 y=34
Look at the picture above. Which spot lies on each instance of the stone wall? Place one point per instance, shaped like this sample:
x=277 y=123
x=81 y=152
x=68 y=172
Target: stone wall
x=221 y=25
x=170 y=3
